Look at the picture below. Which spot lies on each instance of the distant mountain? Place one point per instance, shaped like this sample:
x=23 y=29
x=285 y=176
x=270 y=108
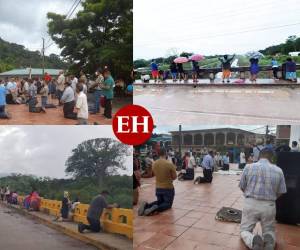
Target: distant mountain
x=13 y=56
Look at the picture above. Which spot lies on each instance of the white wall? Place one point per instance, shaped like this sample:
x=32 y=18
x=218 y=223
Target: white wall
x=295 y=134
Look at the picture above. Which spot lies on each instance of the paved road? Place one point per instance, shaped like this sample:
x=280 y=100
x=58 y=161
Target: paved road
x=20 y=233
x=218 y=105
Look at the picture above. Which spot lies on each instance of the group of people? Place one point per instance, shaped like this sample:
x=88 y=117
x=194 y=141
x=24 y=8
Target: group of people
x=32 y=202
x=11 y=197
x=70 y=91
x=176 y=70
x=262 y=182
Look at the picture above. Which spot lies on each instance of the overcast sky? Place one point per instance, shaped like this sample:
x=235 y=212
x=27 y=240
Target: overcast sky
x=25 y=22
x=43 y=150
x=160 y=27
x=260 y=129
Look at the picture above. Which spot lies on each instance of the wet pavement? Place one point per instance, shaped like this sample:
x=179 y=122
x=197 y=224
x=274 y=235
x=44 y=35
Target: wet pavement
x=21 y=116
x=20 y=233
x=191 y=223
x=220 y=105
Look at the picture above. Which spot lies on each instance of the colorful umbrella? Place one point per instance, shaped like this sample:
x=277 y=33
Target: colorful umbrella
x=197 y=57
x=181 y=60
x=254 y=54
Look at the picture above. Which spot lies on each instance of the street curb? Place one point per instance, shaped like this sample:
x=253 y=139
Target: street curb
x=62 y=229
x=217 y=85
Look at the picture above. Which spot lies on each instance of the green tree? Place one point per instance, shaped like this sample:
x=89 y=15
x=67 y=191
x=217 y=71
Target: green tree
x=97 y=158
x=100 y=35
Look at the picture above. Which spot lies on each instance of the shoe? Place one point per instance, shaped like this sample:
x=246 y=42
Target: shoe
x=80 y=228
x=223 y=81
x=257 y=243
x=150 y=210
x=228 y=81
x=269 y=242
x=142 y=208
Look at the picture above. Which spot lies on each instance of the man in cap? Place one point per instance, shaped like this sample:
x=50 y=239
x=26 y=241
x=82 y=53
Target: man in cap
x=262 y=183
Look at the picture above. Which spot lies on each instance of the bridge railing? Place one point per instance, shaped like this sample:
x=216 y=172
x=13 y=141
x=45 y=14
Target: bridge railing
x=242 y=71
x=116 y=220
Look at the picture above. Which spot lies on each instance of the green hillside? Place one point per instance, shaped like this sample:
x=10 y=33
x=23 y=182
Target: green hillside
x=16 y=56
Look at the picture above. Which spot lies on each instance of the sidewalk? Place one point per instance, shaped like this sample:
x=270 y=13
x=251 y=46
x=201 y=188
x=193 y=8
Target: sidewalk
x=191 y=223
x=100 y=240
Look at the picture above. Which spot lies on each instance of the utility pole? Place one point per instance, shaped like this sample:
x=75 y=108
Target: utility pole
x=267 y=133
x=180 y=135
x=43 y=54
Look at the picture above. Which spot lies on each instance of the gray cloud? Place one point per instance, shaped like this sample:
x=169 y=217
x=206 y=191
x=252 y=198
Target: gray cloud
x=43 y=150
x=25 y=22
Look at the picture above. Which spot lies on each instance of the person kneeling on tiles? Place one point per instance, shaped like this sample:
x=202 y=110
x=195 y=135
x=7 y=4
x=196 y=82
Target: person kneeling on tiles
x=208 y=166
x=165 y=174
x=68 y=100
x=95 y=211
x=189 y=163
x=32 y=98
x=262 y=183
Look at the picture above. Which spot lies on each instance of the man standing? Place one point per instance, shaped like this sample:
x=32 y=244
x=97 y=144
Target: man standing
x=256 y=151
x=94 y=213
x=207 y=165
x=97 y=90
x=3 y=113
x=108 y=91
x=242 y=159
x=262 y=183
x=60 y=85
x=226 y=67
x=154 y=70
x=165 y=174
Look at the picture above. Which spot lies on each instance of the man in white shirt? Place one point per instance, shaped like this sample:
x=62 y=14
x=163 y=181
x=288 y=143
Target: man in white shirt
x=242 y=159
x=295 y=147
x=60 y=85
x=81 y=106
x=74 y=82
x=256 y=151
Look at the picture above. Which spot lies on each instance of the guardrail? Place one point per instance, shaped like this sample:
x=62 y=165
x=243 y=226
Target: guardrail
x=211 y=72
x=116 y=220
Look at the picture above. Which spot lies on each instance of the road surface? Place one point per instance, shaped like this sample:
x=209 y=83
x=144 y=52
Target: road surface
x=20 y=233
x=219 y=105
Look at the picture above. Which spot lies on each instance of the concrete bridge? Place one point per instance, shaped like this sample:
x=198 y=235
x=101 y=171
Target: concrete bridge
x=117 y=225
x=241 y=74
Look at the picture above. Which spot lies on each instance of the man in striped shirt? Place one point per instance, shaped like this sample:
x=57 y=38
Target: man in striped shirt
x=262 y=183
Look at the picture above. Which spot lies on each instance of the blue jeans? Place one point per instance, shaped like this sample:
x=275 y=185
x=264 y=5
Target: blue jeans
x=165 y=198
x=97 y=94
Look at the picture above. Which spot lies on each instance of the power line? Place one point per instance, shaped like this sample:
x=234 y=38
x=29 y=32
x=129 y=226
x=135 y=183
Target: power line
x=68 y=15
x=224 y=34
x=74 y=9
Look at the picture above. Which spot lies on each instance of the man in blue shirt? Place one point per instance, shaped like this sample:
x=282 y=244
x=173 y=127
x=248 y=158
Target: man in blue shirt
x=154 y=70
x=3 y=114
x=207 y=165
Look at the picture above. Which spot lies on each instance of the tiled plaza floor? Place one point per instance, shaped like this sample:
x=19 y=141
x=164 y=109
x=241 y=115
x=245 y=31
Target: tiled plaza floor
x=191 y=223
x=21 y=116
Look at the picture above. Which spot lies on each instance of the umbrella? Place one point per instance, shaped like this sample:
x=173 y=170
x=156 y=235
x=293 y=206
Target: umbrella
x=181 y=60
x=196 y=57
x=254 y=54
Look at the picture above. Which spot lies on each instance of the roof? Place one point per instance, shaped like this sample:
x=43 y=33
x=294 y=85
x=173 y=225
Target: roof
x=214 y=130
x=34 y=71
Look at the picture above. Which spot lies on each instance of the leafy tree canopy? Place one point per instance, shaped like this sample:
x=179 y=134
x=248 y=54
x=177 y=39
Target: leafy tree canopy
x=100 y=35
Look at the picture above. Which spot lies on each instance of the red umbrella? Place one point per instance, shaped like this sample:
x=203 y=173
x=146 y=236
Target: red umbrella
x=196 y=57
x=181 y=60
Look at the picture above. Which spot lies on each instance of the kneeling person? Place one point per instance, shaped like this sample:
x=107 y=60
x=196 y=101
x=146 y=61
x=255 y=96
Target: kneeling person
x=262 y=183
x=94 y=213
x=165 y=173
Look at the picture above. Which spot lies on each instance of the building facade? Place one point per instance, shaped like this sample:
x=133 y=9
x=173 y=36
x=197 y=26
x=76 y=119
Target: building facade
x=215 y=138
